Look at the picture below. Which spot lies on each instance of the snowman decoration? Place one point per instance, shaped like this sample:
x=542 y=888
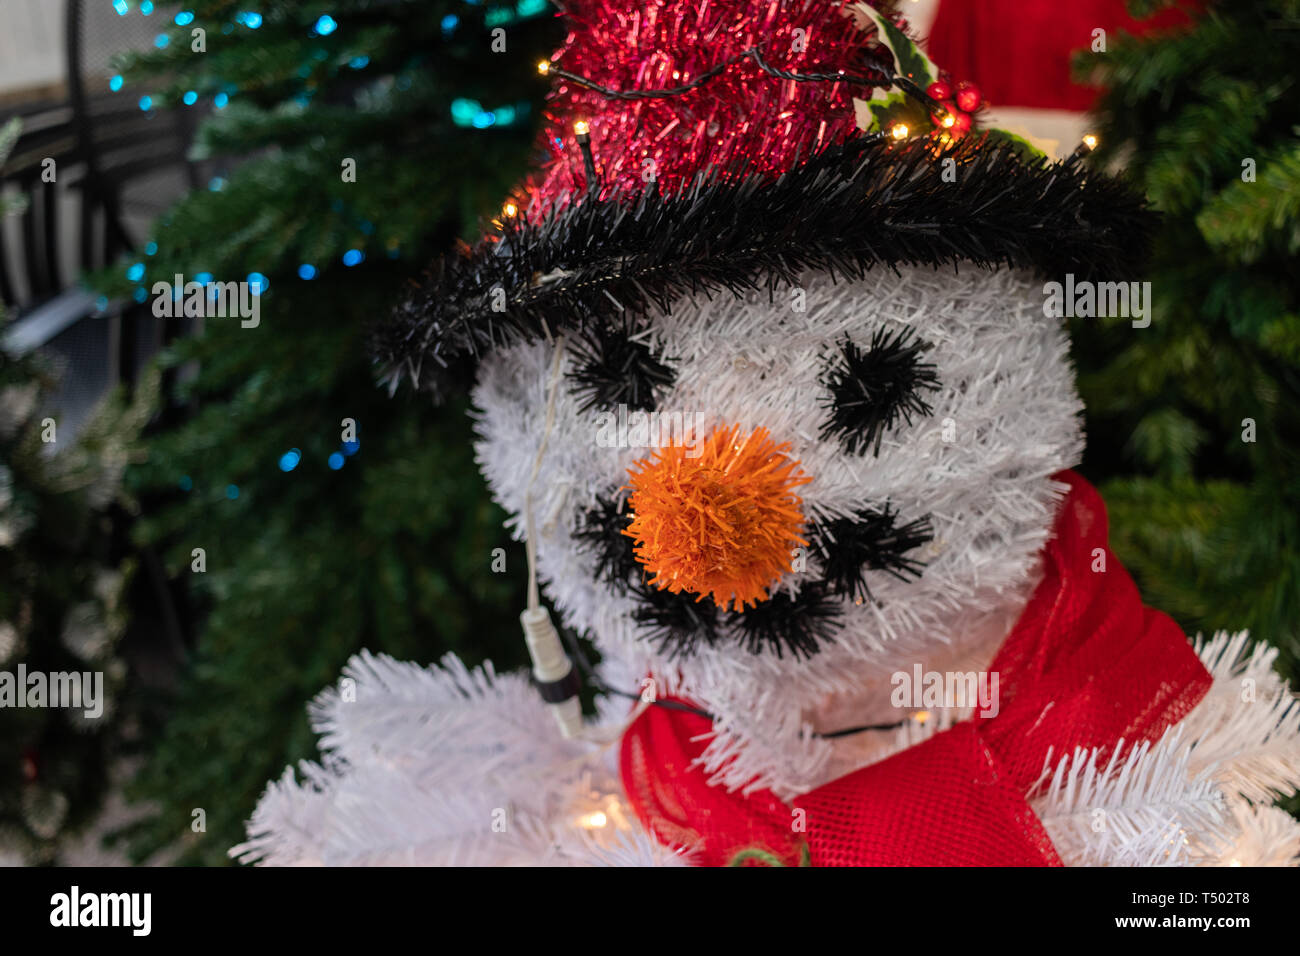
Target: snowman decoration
x=764 y=378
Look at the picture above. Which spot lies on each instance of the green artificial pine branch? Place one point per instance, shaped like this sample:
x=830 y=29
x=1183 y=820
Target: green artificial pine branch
x=393 y=550
x=1194 y=422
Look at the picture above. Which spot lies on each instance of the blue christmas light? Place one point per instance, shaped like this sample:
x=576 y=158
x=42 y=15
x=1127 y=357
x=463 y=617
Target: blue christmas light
x=232 y=492
x=289 y=460
x=484 y=120
x=449 y=22
x=252 y=20
x=140 y=294
x=463 y=111
x=359 y=62
x=161 y=40
x=335 y=461
x=326 y=25
x=258 y=283
x=146 y=7
x=203 y=278
x=216 y=184
x=151 y=249
x=190 y=98
x=530 y=8
x=115 y=82
x=353 y=257
x=350 y=448
x=186 y=483
x=306 y=271
x=122 y=7
x=146 y=103
x=505 y=115
x=220 y=101
x=101 y=303
x=184 y=18
x=136 y=272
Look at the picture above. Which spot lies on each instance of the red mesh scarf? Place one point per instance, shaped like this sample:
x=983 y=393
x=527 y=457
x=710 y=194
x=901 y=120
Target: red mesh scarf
x=1085 y=666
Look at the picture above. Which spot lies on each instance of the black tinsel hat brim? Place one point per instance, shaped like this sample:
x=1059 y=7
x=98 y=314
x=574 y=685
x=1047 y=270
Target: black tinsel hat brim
x=846 y=210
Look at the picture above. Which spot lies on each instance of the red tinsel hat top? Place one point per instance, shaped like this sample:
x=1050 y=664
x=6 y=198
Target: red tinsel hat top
x=743 y=121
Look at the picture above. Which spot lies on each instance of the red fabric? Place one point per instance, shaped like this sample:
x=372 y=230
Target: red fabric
x=1018 y=51
x=1085 y=666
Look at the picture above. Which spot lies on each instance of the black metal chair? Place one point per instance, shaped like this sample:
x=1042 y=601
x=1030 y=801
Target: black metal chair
x=116 y=168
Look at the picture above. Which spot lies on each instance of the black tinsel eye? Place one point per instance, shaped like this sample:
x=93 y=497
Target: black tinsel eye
x=615 y=369
x=871 y=540
x=800 y=624
x=872 y=388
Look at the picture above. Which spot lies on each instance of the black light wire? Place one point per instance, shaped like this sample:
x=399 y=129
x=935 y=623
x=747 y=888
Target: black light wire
x=584 y=665
x=753 y=53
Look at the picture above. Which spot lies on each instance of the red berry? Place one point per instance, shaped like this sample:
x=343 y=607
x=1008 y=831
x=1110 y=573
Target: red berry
x=968 y=96
x=939 y=90
x=960 y=124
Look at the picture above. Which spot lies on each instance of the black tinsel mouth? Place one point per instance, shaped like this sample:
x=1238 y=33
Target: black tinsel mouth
x=801 y=623
x=601 y=263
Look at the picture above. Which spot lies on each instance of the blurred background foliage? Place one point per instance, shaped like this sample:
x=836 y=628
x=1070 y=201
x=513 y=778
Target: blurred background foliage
x=1194 y=422
x=316 y=546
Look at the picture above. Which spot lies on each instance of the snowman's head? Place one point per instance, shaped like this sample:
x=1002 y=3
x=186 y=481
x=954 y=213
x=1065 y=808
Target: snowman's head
x=818 y=473
x=754 y=496
x=774 y=430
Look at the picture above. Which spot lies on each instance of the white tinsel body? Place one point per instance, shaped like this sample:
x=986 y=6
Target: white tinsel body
x=445 y=765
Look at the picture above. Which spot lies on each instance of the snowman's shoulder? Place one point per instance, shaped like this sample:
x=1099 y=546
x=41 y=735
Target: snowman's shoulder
x=441 y=765
x=1199 y=795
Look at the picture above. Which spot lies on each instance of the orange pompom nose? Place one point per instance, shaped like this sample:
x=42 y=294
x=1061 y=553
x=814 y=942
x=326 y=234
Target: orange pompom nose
x=723 y=523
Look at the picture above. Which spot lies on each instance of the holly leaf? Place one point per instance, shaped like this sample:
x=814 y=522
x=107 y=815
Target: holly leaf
x=1026 y=150
x=884 y=109
x=909 y=61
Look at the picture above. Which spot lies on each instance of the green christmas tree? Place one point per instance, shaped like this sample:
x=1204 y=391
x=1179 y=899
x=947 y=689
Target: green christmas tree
x=307 y=512
x=62 y=613
x=1194 y=421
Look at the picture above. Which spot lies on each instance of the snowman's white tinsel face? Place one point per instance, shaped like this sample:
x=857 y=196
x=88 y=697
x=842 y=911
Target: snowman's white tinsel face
x=895 y=437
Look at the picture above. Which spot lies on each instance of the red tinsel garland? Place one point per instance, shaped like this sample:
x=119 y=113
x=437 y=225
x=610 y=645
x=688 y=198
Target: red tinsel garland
x=743 y=121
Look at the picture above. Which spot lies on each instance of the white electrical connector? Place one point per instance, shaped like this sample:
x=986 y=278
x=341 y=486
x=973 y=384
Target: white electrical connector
x=556 y=679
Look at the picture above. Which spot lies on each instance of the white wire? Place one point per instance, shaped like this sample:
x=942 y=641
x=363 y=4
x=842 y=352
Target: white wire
x=530 y=540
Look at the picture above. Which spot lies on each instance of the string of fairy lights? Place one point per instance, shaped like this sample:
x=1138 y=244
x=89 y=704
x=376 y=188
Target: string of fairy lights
x=943 y=118
x=463 y=112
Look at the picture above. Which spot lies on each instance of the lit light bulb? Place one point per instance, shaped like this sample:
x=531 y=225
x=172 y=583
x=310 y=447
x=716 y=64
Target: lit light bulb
x=581 y=128
x=510 y=210
x=544 y=67
x=899 y=131
x=949 y=120
x=593 y=821
x=921 y=716
x=1090 y=141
